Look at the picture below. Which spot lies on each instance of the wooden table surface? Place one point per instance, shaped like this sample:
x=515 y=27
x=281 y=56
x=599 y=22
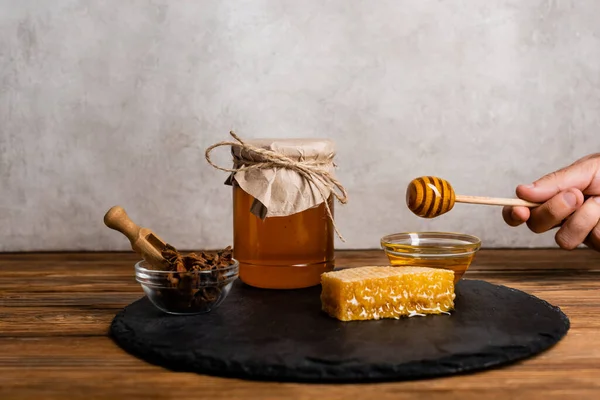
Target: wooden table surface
x=55 y=310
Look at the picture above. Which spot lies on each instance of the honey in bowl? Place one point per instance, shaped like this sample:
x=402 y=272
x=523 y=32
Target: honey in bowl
x=452 y=251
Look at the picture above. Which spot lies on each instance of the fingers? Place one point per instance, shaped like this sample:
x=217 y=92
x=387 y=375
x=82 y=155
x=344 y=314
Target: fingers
x=555 y=210
x=515 y=216
x=583 y=159
x=580 y=175
x=581 y=226
x=593 y=239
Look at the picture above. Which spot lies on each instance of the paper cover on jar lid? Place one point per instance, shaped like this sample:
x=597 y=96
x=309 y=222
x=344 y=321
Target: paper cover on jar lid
x=282 y=191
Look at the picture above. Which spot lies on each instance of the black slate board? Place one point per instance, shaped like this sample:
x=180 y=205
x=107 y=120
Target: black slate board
x=283 y=336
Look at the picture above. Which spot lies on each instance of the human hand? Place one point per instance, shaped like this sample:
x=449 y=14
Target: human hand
x=562 y=194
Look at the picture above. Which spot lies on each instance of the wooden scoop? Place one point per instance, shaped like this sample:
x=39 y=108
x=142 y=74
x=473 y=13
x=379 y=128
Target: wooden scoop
x=429 y=197
x=143 y=241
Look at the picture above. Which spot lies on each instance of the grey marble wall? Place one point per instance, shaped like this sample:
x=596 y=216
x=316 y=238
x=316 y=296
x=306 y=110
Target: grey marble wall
x=105 y=103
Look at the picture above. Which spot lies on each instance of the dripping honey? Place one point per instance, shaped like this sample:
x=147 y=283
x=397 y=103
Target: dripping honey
x=398 y=255
x=281 y=252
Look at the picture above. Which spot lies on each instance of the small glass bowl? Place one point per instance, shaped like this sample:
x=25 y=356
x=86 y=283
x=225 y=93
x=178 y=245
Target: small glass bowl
x=446 y=250
x=186 y=293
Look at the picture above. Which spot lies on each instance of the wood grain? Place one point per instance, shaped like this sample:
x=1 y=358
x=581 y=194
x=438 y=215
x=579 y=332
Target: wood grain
x=494 y=201
x=55 y=310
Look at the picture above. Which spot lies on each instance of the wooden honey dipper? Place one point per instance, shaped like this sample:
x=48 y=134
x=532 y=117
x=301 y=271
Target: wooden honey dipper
x=430 y=197
x=143 y=241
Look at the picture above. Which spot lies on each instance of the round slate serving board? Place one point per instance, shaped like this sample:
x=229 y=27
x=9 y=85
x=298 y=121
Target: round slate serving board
x=283 y=335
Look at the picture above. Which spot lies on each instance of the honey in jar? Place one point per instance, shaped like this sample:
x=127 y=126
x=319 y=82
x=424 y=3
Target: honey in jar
x=281 y=252
x=283 y=228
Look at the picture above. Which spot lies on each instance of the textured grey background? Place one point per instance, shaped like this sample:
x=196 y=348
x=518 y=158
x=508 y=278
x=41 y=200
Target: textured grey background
x=105 y=103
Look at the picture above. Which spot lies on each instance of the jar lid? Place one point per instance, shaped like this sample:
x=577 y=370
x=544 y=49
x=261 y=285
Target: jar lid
x=297 y=149
x=282 y=191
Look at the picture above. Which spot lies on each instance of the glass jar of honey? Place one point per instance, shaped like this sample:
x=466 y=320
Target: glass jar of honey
x=286 y=252
x=283 y=229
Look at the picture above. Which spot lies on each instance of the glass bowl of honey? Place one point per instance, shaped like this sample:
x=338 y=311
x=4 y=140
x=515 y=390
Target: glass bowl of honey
x=446 y=250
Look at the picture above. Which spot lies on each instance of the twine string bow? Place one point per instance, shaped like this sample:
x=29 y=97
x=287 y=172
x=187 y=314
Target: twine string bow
x=312 y=171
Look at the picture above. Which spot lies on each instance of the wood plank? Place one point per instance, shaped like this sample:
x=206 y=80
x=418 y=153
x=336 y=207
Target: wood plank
x=115 y=262
x=82 y=383
x=69 y=284
x=33 y=322
x=86 y=300
x=72 y=321
x=113 y=272
x=86 y=283
x=577 y=349
x=82 y=386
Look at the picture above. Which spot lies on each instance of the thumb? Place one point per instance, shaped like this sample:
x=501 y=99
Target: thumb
x=580 y=175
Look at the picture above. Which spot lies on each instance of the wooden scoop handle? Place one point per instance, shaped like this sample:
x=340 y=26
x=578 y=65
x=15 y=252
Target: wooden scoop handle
x=143 y=240
x=116 y=218
x=494 y=201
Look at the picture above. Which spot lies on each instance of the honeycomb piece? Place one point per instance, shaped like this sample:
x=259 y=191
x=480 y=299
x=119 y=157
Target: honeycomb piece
x=366 y=293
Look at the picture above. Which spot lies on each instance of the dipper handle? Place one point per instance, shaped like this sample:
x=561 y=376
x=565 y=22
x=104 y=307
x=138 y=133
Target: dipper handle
x=494 y=201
